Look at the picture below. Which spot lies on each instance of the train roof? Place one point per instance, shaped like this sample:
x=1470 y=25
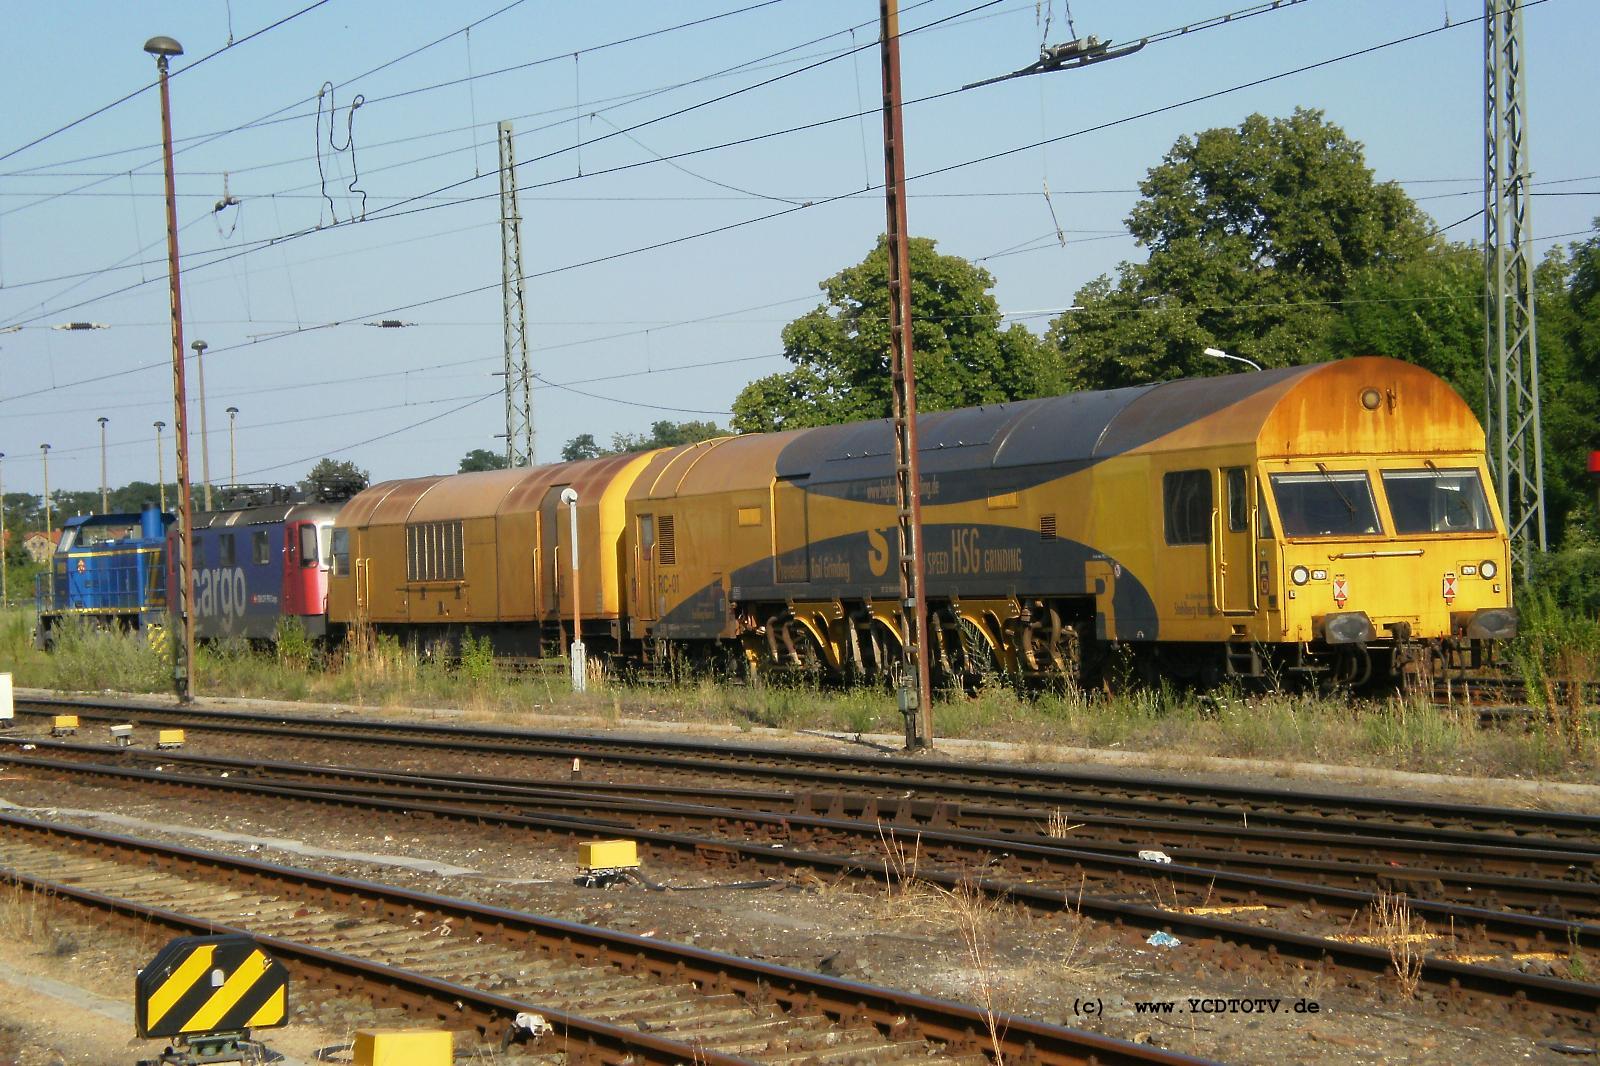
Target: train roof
x=443 y=497
x=113 y=518
x=1311 y=409
x=265 y=514
x=1315 y=409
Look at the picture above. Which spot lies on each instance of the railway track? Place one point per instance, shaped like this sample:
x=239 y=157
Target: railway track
x=1500 y=698
x=606 y=996
x=1546 y=882
x=996 y=867
x=675 y=760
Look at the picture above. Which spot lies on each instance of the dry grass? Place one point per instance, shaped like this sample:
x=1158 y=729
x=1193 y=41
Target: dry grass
x=906 y=896
x=1391 y=923
x=379 y=671
x=976 y=912
x=1059 y=826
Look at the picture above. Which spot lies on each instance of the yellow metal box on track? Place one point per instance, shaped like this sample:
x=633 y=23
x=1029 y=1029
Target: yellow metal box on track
x=402 y=1047
x=608 y=854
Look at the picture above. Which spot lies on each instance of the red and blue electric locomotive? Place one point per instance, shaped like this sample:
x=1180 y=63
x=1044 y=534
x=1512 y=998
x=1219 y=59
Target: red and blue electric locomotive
x=257 y=564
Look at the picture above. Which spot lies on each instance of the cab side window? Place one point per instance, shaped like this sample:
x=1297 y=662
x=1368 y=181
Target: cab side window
x=1186 y=496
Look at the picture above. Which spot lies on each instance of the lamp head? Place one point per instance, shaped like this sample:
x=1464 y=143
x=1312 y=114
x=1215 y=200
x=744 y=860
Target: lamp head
x=199 y=346
x=233 y=410
x=160 y=425
x=161 y=47
x=103 y=420
x=1216 y=353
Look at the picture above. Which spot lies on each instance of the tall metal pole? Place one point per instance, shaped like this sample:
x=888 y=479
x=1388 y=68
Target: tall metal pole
x=1511 y=350
x=916 y=700
x=105 y=490
x=233 y=455
x=519 y=375
x=205 y=438
x=161 y=470
x=44 y=458
x=181 y=597
x=580 y=666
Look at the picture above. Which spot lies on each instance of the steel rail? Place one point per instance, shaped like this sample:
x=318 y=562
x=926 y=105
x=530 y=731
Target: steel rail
x=948 y=780
x=1550 y=883
x=897 y=1014
x=1575 y=1000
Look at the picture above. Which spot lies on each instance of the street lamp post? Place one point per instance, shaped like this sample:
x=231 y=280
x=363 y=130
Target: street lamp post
x=233 y=457
x=105 y=488
x=163 y=48
x=161 y=467
x=580 y=671
x=44 y=458
x=205 y=440
x=1218 y=353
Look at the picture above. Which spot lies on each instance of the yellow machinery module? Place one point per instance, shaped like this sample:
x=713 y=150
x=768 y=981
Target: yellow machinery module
x=1334 y=520
x=489 y=553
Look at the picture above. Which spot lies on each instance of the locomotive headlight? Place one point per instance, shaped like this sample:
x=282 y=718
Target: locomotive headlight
x=1488 y=569
x=1300 y=575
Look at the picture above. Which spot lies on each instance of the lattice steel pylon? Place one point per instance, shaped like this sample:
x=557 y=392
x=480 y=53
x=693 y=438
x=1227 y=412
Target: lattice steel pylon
x=1511 y=351
x=519 y=375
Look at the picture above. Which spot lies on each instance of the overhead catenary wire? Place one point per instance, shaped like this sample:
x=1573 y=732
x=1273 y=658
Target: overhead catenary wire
x=390 y=211
x=81 y=119
x=790 y=210
x=274 y=117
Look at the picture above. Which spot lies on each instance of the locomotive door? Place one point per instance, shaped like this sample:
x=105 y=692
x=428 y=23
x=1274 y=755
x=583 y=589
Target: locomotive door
x=1234 y=542
x=361 y=572
x=644 y=587
x=553 y=536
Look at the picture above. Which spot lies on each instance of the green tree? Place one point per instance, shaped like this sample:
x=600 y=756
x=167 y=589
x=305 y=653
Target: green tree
x=334 y=479
x=840 y=350
x=482 y=459
x=1255 y=235
x=1427 y=310
x=583 y=446
x=1568 y=320
x=663 y=434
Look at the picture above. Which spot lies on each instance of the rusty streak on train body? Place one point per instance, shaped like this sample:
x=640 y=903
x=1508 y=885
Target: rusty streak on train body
x=1334 y=520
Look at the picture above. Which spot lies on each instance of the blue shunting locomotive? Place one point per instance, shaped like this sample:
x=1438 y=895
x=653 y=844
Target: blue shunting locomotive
x=108 y=570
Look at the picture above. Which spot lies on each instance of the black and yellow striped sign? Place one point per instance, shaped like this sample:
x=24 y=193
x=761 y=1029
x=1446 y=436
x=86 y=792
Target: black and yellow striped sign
x=210 y=984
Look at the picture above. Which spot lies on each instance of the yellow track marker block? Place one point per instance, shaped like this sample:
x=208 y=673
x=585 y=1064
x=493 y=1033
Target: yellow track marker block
x=63 y=724
x=402 y=1047
x=169 y=738
x=608 y=855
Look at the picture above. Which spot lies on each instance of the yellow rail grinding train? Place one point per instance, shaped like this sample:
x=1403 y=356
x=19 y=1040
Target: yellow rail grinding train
x=1333 y=520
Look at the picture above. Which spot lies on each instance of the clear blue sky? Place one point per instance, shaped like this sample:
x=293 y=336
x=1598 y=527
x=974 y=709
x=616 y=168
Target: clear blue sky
x=84 y=207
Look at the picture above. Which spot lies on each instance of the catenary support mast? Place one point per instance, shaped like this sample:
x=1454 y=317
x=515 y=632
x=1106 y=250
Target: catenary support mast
x=519 y=376
x=1511 y=352
x=915 y=697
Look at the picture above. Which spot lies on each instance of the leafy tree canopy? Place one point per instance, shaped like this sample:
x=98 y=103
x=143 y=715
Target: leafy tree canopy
x=1255 y=235
x=840 y=350
x=663 y=434
x=583 y=446
x=482 y=459
x=334 y=479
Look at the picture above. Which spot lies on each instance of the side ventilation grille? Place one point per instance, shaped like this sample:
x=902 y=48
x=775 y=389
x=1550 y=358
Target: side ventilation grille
x=1047 y=527
x=666 y=541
